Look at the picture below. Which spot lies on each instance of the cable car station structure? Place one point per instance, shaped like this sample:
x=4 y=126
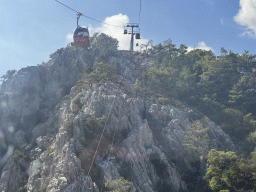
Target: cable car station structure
x=137 y=34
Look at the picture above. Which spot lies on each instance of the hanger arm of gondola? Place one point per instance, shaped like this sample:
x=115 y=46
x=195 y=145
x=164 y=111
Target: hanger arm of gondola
x=78 y=16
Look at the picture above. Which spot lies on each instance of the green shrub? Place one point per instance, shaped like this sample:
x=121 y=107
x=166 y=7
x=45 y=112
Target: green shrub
x=163 y=118
x=94 y=126
x=9 y=74
x=76 y=105
x=69 y=127
x=84 y=141
x=164 y=100
x=45 y=185
x=119 y=185
x=154 y=156
x=105 y=43
x=102 y=71
x=86 y=157
x=223 y=170
x=50 y=151
x=125 y=169
x=29 y=89
x=137 y=88
x=18 y=154
x=196 y=141
x=79 y=85
x=23 y=147
x=63 y=92
x=22 y=189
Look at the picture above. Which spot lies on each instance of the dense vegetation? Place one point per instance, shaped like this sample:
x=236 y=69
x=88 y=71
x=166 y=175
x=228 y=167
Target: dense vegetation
x=224 y=89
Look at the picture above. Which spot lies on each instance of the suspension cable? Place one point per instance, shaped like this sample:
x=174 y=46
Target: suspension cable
x=88 y=16
x=101 y=136
x=139 y=12
x=108 y=158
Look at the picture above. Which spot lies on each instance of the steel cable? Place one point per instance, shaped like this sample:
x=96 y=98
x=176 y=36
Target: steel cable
x=87 y=16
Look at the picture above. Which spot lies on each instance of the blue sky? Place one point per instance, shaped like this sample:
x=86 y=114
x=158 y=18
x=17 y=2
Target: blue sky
x=32 y=30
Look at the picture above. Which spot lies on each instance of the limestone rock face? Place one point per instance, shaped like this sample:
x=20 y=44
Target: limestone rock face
x=57 y=137
x=12 y=176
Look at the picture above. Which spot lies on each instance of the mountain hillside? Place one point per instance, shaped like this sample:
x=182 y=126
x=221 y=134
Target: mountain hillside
x=84 y=121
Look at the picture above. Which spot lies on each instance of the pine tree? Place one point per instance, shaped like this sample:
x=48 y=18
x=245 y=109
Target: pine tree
x=196 y=141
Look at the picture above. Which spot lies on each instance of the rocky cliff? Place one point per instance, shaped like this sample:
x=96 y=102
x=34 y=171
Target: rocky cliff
x=57 y=126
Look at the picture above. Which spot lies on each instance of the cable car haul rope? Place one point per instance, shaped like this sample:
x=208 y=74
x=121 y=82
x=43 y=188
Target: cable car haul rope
x=83 y=40
x=87 y=16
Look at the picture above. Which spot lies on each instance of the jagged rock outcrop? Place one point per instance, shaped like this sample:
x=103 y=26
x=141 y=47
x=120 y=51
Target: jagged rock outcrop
x=45 y=117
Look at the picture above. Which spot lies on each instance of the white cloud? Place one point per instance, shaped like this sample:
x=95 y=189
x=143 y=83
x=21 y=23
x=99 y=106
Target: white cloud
x=200 y=45
x=222 y=21
x=203 y=46
x=190 y=48
x=247 y=17
x=248 y=33
x=69 y=37
x=115 y=32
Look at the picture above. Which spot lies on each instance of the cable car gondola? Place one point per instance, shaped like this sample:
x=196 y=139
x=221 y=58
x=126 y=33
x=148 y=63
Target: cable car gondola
x=81 y=35
x=137 y=36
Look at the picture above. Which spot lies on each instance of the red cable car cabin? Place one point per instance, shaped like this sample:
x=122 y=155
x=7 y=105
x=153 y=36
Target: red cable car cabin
x=81 y=37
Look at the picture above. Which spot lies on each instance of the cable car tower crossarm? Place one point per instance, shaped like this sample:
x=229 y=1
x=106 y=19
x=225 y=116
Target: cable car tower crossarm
x=132 y=34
